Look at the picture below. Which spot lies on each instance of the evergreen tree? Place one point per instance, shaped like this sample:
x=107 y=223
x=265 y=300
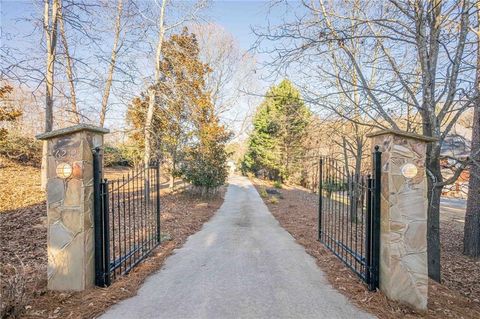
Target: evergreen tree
x=279 y=131
x=185 y=127
x=205 y=165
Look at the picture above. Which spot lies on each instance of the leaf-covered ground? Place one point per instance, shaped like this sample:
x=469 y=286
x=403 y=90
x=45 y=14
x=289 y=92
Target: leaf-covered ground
x=23 y=238
x=458 y=297
x=19 y=185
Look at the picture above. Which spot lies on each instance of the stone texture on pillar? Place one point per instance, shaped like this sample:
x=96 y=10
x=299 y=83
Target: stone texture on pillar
x=403 y=238
x=70 y=238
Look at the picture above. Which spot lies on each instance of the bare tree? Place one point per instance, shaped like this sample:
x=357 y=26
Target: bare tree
x=113 y=59
x=50 y=21
x=423 y=50
x=231 y=68
x=162 y=28
x=68 y=68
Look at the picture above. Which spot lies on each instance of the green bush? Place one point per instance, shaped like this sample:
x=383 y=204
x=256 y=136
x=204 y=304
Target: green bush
x=333 y=186
x=123 y=155
x=273 y=200
x=263 y=193
x=277 y=184
x=21 y=149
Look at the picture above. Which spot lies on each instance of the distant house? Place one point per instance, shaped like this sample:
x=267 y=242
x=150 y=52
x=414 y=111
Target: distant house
x=455 y=148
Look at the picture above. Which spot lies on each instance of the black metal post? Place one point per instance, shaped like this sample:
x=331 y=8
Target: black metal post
x=320 y=174
x=368 y=236
x=106 y=233
x=377 y=180
x=158 y=200
x=97 y=218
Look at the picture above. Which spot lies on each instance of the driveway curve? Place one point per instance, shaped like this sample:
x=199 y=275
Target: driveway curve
x=242 y=264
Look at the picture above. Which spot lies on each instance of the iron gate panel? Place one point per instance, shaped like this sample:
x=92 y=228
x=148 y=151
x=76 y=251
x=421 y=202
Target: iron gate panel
x=349 y=216
x=127 y=219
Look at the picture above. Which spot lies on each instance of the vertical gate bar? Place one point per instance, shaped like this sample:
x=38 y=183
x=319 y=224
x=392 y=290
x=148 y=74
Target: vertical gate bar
x=364 y=219
x=340 y=193
x=330 y=208
x=152 y=230
x=147 y=206
x=334 y=231
x=129 y=252
x=368 y=241
x=134 y=213
x=149 y=229
x=320 y=173
x=142 y=186
x=335 y=198
x=106 y=232
x=158 y=200
x=139 y=206
x=334 y=208
x=343 y=206
x=113 y=223
x=376 y=216
x=353 y=216
x=98 y=229
x=147 y=196
x=124 y=261
x=119 y=229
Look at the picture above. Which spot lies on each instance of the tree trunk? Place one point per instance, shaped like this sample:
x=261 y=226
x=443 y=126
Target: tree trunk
x=433 y=217
x=471 y=240
x=113 y=59
x=50 y=19
x=148 y=129
x=69 y=69
x=151 y=103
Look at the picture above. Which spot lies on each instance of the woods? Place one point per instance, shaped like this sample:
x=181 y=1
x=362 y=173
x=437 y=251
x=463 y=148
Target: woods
x=425 y=82
x=205 y=91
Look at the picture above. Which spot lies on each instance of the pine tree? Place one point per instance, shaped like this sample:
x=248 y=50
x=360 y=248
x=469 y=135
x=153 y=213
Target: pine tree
x=205 y=165
x=279 y=131
x=185 y=127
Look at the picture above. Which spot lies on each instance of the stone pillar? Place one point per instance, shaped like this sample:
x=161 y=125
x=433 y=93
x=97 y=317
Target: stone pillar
x=70 y=238
x=403 y=236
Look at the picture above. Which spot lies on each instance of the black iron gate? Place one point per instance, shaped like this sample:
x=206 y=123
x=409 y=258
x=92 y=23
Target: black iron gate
x=349 y=216
x=126 y=218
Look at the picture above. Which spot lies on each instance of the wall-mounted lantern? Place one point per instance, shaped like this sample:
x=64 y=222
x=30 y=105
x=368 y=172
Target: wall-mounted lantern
x=64 y=170
x=409 y=170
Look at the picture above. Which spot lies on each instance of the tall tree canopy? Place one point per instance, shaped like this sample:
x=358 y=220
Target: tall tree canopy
x=279 y=131
x=185 y=129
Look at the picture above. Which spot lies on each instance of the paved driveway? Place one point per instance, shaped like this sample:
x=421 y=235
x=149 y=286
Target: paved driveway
x=242 y=264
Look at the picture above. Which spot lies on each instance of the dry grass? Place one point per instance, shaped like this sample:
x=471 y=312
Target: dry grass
x=297 y=213
x=13 y=175
x=13 y=293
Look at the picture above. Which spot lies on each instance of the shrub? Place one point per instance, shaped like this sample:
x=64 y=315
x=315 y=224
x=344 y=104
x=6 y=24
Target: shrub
x=333 y=186
x=13 y=292
x=263 y=193
x=277 y=184
x=21 y=149
x=273 y=200
x=205 y=162
x=123 y=155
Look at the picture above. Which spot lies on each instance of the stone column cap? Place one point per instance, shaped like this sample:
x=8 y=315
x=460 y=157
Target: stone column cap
x=72 y=129
x=414 y=136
